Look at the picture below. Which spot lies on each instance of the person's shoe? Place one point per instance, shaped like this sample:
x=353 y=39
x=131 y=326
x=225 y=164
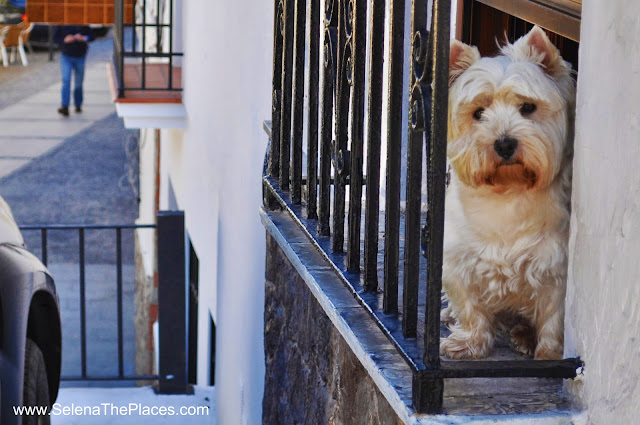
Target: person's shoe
x=64 y=111
x=78 y=110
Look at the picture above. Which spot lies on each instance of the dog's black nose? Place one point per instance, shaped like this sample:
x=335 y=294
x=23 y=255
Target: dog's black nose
x=506 y=147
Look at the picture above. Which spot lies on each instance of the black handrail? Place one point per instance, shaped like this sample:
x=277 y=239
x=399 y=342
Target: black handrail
x=171 y=286
x=82 y=263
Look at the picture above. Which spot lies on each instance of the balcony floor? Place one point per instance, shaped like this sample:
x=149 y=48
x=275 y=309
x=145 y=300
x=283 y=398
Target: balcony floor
x=156 y=78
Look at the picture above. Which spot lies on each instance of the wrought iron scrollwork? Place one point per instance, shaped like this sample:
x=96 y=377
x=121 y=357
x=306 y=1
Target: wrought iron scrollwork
x=419 y=93
x=330 y=52
x=395 y=129
x=328 y=98
x=420 y=101
x=328 y=13
x=349 y=118
x=280 y=17
x=287 y=23
x=278 y=34
x=341 y=121
x=297 y=126
x=431 y=59
x=313 y=107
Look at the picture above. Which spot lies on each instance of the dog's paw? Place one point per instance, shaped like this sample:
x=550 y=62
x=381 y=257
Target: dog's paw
x=446 y=316
x=523 y=339
x=458 y=348
x=545 y=352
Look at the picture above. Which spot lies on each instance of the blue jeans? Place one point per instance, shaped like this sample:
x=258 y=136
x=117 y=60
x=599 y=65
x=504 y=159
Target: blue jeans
x=69 y=64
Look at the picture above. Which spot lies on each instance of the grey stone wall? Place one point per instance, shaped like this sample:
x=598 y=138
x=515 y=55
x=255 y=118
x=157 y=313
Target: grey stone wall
x=312 y=376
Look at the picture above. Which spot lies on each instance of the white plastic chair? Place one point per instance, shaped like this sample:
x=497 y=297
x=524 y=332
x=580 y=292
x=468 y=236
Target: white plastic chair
x=24 y=40
x=3 y=49
x=15 y=37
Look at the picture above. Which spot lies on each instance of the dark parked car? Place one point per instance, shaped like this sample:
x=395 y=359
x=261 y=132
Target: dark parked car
x=30 y=334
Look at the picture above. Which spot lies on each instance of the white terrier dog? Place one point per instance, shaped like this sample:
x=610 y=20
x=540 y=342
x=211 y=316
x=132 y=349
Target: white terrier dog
x=507 y=207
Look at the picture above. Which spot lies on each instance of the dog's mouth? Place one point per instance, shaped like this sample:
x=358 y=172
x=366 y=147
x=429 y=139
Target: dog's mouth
x=512 y=172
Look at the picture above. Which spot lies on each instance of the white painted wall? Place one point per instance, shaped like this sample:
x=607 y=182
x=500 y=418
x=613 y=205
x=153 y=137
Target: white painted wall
x=603 y=298
x=215 y=167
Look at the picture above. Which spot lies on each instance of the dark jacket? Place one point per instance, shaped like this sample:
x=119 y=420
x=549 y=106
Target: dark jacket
x=76 y=49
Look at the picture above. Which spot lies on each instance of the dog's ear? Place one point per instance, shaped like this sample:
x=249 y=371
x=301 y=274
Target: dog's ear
x=537 y=46
x=461 y=57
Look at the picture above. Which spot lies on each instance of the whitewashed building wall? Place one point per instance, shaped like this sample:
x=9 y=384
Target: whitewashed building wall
x=214 y=167
x=212 y=171
x=603 y=299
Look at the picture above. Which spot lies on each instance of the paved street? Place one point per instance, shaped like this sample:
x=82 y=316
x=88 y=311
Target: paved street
x=29 y=99
x=18 y=82
x=71 y=170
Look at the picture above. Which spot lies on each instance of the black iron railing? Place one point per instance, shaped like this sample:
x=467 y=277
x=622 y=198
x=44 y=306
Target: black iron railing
x=81 y=231
x=171 y=290
x=142 y=43
x=336 y=130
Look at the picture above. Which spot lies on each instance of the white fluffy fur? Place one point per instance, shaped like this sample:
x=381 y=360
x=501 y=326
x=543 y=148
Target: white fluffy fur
x=507 y=222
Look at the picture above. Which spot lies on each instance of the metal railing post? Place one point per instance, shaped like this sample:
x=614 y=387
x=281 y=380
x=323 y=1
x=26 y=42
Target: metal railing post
x=50 y=41
x=172 y=283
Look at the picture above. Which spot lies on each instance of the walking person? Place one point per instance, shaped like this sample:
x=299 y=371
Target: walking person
x=73 y=42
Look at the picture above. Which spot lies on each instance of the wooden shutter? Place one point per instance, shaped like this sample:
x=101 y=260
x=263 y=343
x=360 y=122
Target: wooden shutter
x=483 y=22
x=76 y=12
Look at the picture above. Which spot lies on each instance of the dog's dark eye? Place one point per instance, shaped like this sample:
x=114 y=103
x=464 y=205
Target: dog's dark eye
x=528 y=108
x=478 y=114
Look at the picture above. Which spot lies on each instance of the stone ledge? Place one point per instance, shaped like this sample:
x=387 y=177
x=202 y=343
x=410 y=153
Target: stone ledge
x=477 y=401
